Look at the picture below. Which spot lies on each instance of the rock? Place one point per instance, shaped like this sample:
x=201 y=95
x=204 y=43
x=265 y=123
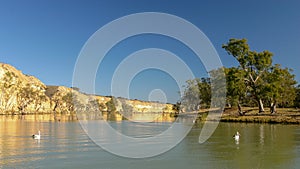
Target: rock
x=23 y=94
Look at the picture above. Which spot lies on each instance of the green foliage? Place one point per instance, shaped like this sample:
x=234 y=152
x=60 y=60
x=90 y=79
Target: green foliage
x=204 y=87
x=256 y=78
x=297 y=98
x=197 y=94
x=251 y=64
x=217 y=90
x=191 y=98
x=279 y=87
x=236 y=87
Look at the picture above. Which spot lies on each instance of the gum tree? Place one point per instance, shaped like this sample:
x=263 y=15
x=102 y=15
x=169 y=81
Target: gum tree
x=253 y=65
x=236 y=88
x=280 y=87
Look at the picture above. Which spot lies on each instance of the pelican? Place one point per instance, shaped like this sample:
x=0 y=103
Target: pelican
x=37 y=136
x=237 y=136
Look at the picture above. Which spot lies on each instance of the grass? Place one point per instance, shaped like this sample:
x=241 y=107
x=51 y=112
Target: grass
x=283 y=116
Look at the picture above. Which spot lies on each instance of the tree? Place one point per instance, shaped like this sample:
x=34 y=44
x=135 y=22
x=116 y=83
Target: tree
x=204 y=87
x=191 y=99
x=217 y=90
x=252 y=64
x=297 y=98
x=279 y=87
x=236 y=88
x=198 y=92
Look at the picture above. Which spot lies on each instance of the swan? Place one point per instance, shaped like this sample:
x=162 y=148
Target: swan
x=237 y=136
x=37 y=136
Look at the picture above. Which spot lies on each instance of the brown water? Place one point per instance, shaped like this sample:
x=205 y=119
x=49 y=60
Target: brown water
x=65 y=145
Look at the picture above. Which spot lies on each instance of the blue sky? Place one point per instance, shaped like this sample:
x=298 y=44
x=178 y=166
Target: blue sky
x=44 y=38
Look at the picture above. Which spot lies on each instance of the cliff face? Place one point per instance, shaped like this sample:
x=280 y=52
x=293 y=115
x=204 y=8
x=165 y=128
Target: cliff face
x=23 y=94
x=20 y=93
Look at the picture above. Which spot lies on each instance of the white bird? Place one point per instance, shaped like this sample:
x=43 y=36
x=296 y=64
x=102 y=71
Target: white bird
x=37 y=136
x=237 y=136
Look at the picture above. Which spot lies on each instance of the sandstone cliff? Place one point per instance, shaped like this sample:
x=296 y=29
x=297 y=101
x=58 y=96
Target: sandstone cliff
x=23 y=94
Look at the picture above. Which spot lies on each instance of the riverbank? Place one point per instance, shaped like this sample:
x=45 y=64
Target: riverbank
x=283 y=116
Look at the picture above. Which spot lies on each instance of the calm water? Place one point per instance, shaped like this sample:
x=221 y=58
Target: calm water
x=65 y=145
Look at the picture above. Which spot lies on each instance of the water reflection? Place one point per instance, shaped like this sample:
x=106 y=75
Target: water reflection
x=261 y=134
x=38 y=117
x=260 y=146
x=64 y=145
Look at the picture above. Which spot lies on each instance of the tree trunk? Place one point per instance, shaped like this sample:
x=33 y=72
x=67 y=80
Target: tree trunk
x=261 y=106
x=273 y=108
x=240 y=109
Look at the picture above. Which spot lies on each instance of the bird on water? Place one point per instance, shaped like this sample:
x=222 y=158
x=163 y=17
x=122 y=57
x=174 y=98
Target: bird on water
x=237 y=136
x=37 y=136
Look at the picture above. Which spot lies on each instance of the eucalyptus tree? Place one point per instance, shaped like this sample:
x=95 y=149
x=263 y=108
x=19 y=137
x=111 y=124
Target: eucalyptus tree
x=279 y=87
x=236 y=88
x=204 y=85
x=191 y=99
x=253 y=65
x=297 y=98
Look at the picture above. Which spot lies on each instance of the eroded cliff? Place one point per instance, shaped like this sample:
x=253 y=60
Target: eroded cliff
x=23 y=94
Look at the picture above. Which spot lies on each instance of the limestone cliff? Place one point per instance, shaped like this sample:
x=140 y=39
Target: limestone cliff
x=23 y=94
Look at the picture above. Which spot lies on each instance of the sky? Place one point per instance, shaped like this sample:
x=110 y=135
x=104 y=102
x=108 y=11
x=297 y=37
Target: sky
x=44 y=38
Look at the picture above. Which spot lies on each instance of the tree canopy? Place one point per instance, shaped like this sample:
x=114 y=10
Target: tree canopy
x=255 y=80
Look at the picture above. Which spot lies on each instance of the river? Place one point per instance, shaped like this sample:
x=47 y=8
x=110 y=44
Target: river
x=64 y=144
